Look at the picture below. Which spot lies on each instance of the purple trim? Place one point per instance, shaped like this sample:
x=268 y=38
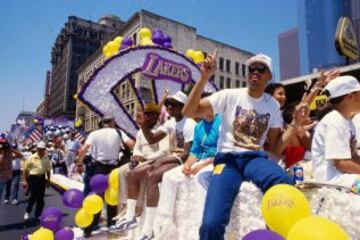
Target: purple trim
x=118 y=55
x=155 y=92
x=137 y=94
x=120 y=103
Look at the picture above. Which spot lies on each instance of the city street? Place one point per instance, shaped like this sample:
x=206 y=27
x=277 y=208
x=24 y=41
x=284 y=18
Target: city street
x=12 y=224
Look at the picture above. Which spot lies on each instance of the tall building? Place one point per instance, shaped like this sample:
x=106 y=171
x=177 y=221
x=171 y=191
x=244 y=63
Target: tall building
x=317 y=22
x=289 y=54
x=43 y=108
x=77 y=41
x=230 y=74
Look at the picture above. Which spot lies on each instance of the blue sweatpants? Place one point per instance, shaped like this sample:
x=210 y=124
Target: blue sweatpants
x=224 y=186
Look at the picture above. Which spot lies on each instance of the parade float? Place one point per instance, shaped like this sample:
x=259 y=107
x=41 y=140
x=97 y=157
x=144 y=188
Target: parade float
x=306 y=212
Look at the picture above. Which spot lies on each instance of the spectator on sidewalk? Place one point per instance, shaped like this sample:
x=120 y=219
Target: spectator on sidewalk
x=13 y=184
x=7 y=154
x=72 y=146
x=37 y=178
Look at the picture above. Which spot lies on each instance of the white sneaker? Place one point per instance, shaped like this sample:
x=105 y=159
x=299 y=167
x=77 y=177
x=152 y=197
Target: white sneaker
x=6 y=201
x=14 y=202
x=123 y=225
x=26 y=216
x=146 y=237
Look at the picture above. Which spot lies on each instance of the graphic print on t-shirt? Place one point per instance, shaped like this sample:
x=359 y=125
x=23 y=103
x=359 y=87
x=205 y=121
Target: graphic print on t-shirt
x=180 y=141
x=249 y=127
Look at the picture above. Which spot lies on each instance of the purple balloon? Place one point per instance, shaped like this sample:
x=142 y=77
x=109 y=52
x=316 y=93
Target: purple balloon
x=157 y=39
x=99 y=183
x=126 y=42
x=167 y=38
x=262 y=234
x=167 y=45
x=157 y=31
x=73 y=198
x=25 y=236
x=51 y=218
x=64 y=234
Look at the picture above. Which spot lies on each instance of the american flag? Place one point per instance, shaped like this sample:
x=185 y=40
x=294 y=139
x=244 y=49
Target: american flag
x=80 y=135
x=33 y=134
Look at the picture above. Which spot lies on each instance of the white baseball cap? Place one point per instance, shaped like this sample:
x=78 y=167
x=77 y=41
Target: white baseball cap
x=260 y=58
x=41 y=145
x=180 y=97
x=342 y=85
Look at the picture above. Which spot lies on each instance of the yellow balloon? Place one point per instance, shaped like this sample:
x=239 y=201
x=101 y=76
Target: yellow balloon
x=282 y=206
x=78 y=123
x=93 y=204
x=318 y=228
x=146 y=42
x=105 y=49
x=42 y=234
x=145 y=33
x=198 y=57
x=190 y=53
x=83 y=219
x=113 y=47
x=118 y=40
x=111 y=196
x=114 y=179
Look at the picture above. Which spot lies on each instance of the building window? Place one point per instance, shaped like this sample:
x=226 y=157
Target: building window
x=228 y=82
x=123 y=91
x=244 y=84
x=237 y=67
x=237 y=83
x=243 y=70
x=221 y=64
x=228 y=63
x=134 y=37
x=221 y=82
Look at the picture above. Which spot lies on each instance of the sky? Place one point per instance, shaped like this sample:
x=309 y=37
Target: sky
x=29 y=29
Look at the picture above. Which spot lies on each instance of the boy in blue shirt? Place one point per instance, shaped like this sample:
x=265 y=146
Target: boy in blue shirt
x=202 y=153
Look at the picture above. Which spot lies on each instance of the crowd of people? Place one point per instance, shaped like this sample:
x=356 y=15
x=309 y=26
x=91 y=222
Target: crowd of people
x=32 y=163
x=213 y=140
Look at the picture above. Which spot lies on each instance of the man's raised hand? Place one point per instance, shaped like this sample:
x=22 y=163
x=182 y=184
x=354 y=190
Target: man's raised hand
x=209 y=66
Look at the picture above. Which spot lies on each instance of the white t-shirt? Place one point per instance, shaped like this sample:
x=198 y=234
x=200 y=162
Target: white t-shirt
x=183 y=131
x=356 y=122
x=246 y=120
x=150 y=151
x=105 y=144
x=334 y=138
x=16 y=164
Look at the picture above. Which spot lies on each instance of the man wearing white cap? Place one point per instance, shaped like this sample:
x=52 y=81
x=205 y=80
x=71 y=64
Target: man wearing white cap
x=249 y=117
x=181 y=132
x=334 y=156
x=36 y=167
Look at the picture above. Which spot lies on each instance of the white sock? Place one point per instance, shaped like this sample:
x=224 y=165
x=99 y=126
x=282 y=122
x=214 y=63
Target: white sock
x=130 y=209
x=150 y=213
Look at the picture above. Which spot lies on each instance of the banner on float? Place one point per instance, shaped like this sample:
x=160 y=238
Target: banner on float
x=59 y=122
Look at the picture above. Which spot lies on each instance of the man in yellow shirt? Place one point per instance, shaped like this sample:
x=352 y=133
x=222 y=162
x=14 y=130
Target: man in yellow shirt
x=36 y=167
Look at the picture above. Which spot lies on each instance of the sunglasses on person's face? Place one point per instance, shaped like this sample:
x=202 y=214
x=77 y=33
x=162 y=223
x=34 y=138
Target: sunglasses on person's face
x=172 y=103
x=259 y=69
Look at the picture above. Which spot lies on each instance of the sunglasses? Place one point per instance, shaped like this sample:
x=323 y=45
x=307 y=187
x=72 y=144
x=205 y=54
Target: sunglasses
x=172 y=103
x=259 y=69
